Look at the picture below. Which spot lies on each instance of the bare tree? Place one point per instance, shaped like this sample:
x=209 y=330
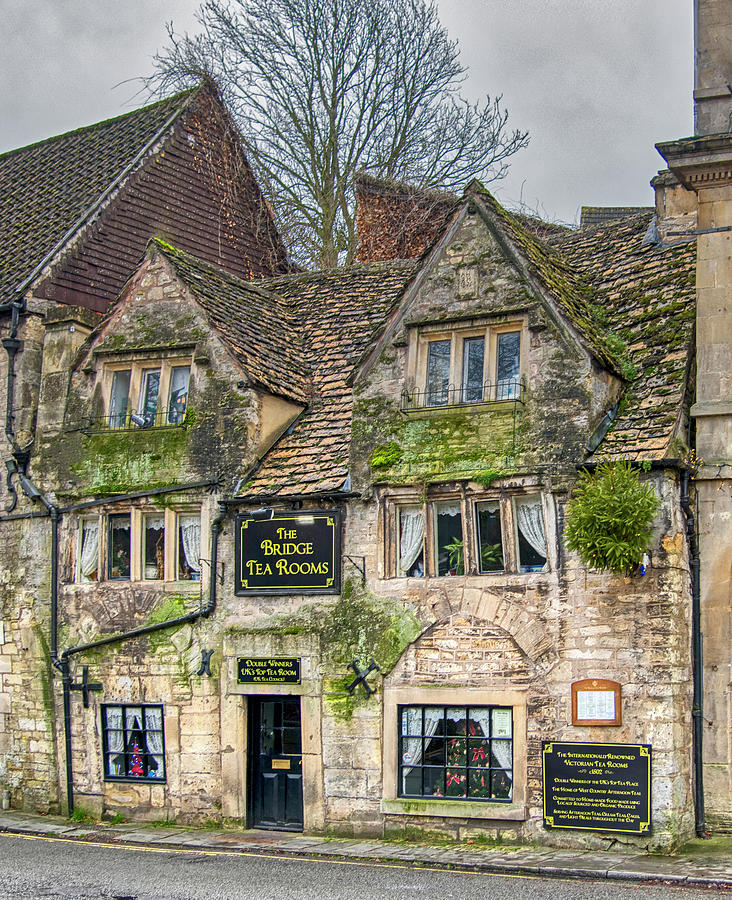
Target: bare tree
x=324 y=88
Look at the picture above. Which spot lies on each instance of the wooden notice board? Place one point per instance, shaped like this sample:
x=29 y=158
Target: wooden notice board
x=596 y=701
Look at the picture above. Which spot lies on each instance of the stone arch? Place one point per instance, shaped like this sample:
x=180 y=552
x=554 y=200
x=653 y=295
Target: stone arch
x=465 y=649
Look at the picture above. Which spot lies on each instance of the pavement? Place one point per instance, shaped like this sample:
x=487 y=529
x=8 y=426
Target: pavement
x=701 y=863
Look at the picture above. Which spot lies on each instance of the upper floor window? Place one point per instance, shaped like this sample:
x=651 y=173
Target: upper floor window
x=476 y=365
x=139 y=546
x=148 y=393
x=458 y=536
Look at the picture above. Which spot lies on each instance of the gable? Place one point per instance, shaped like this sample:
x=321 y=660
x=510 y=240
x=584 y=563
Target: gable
x=86 y=203
x=47 y=187
x=486 y=262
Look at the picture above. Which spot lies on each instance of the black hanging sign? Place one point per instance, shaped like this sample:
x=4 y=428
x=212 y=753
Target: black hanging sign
x=597 y=787
x=291 y=553
x=272 y=670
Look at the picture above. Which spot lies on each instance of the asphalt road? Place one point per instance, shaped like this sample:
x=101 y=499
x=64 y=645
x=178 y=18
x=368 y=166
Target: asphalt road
x=35 y=868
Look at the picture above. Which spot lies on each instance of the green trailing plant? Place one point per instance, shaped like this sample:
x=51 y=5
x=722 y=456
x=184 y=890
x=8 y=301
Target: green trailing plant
x=609 y=517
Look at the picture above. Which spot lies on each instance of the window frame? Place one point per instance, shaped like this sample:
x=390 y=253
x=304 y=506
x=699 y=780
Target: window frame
x=470 y=506
x=137 y=515
x=106 y=752
x=139 y=370
x=436 y=695
x=457 y=335
x=446 y=766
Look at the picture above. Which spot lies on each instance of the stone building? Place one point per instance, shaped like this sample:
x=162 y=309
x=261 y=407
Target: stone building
x=290 y=551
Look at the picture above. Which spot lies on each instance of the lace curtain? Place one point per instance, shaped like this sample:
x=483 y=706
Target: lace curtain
x=115 y=741
x=190 y=533
x=531 y=523
x=89 y=546
x=411 y=526
x=154 y=735
x=412 y=748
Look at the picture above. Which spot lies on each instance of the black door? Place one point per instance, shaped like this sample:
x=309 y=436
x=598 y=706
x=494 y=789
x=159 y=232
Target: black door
x=275 y=763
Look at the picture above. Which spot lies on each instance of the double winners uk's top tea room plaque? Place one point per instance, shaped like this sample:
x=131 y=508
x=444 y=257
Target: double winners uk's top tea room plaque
x=597 y=787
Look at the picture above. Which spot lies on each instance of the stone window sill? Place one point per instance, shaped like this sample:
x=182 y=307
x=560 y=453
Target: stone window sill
x=460 y=809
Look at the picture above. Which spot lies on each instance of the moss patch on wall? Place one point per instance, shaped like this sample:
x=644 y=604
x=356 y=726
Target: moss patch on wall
x=122 y=460
x=441 y=444
x=358 y=626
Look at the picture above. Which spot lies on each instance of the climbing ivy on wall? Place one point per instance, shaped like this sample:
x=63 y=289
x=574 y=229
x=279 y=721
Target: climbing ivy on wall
x=609 y=517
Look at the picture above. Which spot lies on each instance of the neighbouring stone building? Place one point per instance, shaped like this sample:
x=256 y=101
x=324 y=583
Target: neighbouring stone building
x=288 y=547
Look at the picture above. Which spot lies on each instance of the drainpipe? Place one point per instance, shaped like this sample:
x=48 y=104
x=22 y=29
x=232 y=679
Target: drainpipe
x=11 y=345
x=696 y=659
x=64 y=662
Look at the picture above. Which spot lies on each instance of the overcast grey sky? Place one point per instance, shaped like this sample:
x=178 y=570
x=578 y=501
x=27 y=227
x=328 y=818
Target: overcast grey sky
x=596 y=83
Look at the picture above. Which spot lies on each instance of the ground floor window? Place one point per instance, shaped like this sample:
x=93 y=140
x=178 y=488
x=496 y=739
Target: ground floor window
x=456 y=752
x=133 y=742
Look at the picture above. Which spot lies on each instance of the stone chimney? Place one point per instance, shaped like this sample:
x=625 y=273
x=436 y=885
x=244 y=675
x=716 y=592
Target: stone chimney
x=712 y=66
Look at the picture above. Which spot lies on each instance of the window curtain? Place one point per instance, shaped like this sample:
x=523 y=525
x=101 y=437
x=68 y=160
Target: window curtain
x=89 y=546
x=154 y=735
x=411 y=525
x=190 y=532
x=413 y=748
x=115 y=741
x=531 y=523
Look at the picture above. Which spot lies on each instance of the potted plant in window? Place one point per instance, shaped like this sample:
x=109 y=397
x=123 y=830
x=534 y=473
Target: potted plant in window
x=455 y=557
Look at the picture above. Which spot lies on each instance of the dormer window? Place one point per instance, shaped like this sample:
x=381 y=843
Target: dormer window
x=149 y=393
x=472 y=365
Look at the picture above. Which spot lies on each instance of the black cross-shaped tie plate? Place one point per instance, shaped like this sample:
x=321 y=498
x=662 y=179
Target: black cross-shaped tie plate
x=85 y=686
x=205 y=667
x=361 y=677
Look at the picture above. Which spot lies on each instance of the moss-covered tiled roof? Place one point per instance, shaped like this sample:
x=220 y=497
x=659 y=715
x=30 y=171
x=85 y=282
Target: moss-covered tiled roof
x=648 y=295
x=46 y=188
x=259 y=327
x=572 y=293
x=341 y=312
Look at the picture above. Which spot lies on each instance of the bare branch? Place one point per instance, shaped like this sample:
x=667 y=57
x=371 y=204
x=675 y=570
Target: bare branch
x=323 y=89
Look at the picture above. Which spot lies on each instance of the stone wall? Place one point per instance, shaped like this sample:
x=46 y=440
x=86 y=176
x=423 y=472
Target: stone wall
x=27 y=740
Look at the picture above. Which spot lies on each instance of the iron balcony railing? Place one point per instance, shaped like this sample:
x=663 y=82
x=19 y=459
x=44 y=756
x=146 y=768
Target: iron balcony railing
x=510 y=389
x=131 y=420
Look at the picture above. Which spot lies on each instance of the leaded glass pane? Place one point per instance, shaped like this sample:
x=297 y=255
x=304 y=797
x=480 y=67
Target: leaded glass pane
x=449 y=550
x=489 y=536
x=149 y=395
x=119 y=398
x=154 y=547
x=179 y=377
x=119 y=546
x=438 y=373
x=508 y=350
x=473 y=356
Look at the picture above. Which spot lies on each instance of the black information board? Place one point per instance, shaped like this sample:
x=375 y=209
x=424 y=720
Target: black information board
x=271 y=670
x=291 y=553
x=597 y=787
